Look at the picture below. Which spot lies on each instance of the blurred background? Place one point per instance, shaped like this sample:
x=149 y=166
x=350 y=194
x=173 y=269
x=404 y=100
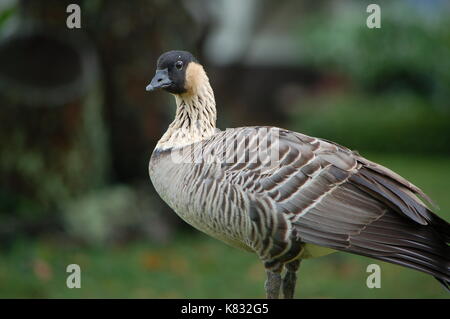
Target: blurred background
x=77 y=129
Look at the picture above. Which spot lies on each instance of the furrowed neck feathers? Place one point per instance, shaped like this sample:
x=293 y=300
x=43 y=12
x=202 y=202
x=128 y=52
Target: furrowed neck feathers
x=195 y=118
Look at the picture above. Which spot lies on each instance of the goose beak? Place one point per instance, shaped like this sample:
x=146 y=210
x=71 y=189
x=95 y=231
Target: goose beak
x=160 y=80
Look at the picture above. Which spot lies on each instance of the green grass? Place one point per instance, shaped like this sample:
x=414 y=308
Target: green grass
x=196 y=266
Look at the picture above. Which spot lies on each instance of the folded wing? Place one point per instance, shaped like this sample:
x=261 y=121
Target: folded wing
x=337 y=199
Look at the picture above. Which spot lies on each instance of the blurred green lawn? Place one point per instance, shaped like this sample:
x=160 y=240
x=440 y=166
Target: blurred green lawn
x=196 y=266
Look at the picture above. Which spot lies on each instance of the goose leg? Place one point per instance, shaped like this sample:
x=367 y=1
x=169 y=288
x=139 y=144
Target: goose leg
x=273 y=284
x=290 y=279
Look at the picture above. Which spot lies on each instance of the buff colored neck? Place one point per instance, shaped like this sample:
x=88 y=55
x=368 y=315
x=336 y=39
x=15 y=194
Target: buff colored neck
x=195 y=118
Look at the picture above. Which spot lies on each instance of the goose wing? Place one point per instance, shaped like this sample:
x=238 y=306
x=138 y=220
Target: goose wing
x=337 y=199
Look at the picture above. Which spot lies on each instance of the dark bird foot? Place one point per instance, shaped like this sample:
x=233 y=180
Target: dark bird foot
x=290 y=279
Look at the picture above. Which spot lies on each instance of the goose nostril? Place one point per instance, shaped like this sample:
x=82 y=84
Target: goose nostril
x=159 y=80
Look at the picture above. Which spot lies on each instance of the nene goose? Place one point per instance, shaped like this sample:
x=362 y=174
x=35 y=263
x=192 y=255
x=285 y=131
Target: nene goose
x=284 y=195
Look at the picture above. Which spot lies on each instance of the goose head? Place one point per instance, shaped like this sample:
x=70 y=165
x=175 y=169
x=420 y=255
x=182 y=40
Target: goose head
x=179 y=73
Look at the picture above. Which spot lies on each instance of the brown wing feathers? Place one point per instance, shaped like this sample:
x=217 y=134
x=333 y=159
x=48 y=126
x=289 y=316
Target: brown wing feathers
x=375 y=215
x=396 y=194
x=337 y=199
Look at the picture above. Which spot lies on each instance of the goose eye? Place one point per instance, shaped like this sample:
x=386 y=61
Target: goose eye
x=179 y=65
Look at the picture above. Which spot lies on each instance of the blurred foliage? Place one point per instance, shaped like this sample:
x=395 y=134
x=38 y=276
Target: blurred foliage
x=388 y=123
x=57 y=155
x=99 y=217
x=116 y=214
x=53 y=140
x=393 y=82
x=5 y=14
x=409 y=52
